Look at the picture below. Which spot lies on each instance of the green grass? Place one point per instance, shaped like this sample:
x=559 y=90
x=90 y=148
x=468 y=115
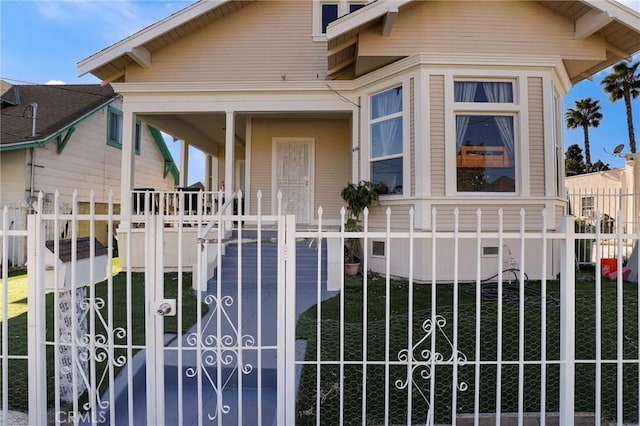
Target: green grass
x=17 y=325
x=354 y=339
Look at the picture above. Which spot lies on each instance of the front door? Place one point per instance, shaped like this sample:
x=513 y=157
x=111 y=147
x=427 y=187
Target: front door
x=293 y=176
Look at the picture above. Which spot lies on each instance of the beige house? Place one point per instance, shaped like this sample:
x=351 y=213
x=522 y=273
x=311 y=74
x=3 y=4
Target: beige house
x=449 y=104
x=69 y=138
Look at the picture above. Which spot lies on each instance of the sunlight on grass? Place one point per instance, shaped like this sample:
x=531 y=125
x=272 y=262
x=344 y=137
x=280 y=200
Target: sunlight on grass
x=17 y=292
x=16 y=297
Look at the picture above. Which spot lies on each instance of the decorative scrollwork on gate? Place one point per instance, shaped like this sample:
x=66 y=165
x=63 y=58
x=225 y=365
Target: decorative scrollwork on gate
x=421 y=358
x=220 y=351
x=88 y=346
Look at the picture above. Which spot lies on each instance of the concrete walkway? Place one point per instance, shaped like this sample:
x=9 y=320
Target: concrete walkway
x=259 y=338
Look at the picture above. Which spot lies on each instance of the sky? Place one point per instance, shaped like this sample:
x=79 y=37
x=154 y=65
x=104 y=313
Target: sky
x=41 y=41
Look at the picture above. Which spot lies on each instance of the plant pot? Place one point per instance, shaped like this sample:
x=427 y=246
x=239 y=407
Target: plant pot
x=351 y=269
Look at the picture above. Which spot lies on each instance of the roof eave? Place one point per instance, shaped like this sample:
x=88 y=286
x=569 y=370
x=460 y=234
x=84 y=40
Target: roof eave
x=44 y=141
x=617 y=11
x=131 y=45
x=363 y=16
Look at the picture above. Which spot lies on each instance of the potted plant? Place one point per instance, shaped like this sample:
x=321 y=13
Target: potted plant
x=357 y=197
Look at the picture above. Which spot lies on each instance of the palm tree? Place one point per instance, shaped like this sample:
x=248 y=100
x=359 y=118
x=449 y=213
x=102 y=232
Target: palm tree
x=624 y=83
x=586 y=114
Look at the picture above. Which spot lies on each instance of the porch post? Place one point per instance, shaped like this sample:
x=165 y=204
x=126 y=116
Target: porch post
x=229 y=157
x=208 y=179
x=184 y=163
x=356 y=155
x=128 y=164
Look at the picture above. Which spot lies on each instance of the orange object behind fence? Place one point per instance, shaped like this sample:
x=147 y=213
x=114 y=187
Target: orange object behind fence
x=608 y=265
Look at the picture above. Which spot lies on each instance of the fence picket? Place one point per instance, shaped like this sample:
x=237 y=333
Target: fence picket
x=354 y=326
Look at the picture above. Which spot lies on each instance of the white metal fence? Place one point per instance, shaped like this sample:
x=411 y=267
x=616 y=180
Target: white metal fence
x=276 y=337
x=586 y=203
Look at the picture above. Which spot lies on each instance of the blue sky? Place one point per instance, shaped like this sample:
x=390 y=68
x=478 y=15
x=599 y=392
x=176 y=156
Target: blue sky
x=42 y=41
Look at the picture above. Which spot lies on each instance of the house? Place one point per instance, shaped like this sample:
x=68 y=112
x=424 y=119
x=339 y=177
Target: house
x=606 y=192
x=449 y=104
x=597 y=198
x=67 y=138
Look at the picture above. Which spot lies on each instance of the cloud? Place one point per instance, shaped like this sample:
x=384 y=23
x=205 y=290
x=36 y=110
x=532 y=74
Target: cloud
x=55 y=82
x=111 y=20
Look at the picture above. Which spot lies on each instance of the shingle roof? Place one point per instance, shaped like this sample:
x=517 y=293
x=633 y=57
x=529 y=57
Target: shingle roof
x=58 y=106
x=83 y=248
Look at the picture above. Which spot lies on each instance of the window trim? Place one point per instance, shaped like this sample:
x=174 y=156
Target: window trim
x=118 y=143
x=343 y=9
x=516 y=109
x=587 y=206
x=367 y=159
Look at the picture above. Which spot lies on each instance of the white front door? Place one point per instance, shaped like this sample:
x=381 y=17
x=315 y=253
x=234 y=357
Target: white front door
x=293 y=176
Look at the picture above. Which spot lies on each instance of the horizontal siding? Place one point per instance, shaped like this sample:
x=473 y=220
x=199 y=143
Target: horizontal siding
x=400 y=218
x=468 y=219
x=332 y=158
x=436 y=132
x=260 y=42
x=536 y=137
x=14 y=176
x=481 y=27
x=88 y=163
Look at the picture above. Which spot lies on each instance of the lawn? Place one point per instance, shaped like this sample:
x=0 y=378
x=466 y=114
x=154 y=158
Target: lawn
x=376 y=323
x=17 y=324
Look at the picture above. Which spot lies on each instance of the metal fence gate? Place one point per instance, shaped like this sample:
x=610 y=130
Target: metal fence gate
x=222 y=318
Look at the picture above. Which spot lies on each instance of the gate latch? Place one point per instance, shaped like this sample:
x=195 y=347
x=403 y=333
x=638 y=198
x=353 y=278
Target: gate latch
x=166 y=307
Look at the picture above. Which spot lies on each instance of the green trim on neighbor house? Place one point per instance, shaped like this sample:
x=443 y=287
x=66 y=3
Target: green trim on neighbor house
x=169 y=164
x=54 y=137
x=63 y=141
x=117 y=142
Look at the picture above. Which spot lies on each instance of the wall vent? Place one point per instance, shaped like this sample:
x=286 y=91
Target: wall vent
x=377 y=248
x=490 y=251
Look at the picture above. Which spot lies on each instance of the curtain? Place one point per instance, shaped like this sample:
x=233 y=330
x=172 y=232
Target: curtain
x=501 y=93
x=387 y=103
x=464 y=91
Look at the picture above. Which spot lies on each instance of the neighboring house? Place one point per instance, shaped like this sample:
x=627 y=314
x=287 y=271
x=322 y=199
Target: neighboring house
x=607 y=192
x=67 y=138
x=450 y=104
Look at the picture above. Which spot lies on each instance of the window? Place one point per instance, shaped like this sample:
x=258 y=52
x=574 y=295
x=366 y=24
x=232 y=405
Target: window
x=325 y=12
x=587 y=207
x=114 y=130
x=485 y=139
x=386 y=122
x=329 y=14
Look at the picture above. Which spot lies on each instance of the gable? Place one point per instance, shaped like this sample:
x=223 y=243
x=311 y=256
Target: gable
x=264 y=40
x=477 y=28
x=587 y=35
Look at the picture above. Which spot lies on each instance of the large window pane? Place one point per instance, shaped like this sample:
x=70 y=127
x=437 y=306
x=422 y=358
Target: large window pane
x=388 y=173
x=386 y=138
x=386 y=103
x=485 y=153
x=481 y=91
